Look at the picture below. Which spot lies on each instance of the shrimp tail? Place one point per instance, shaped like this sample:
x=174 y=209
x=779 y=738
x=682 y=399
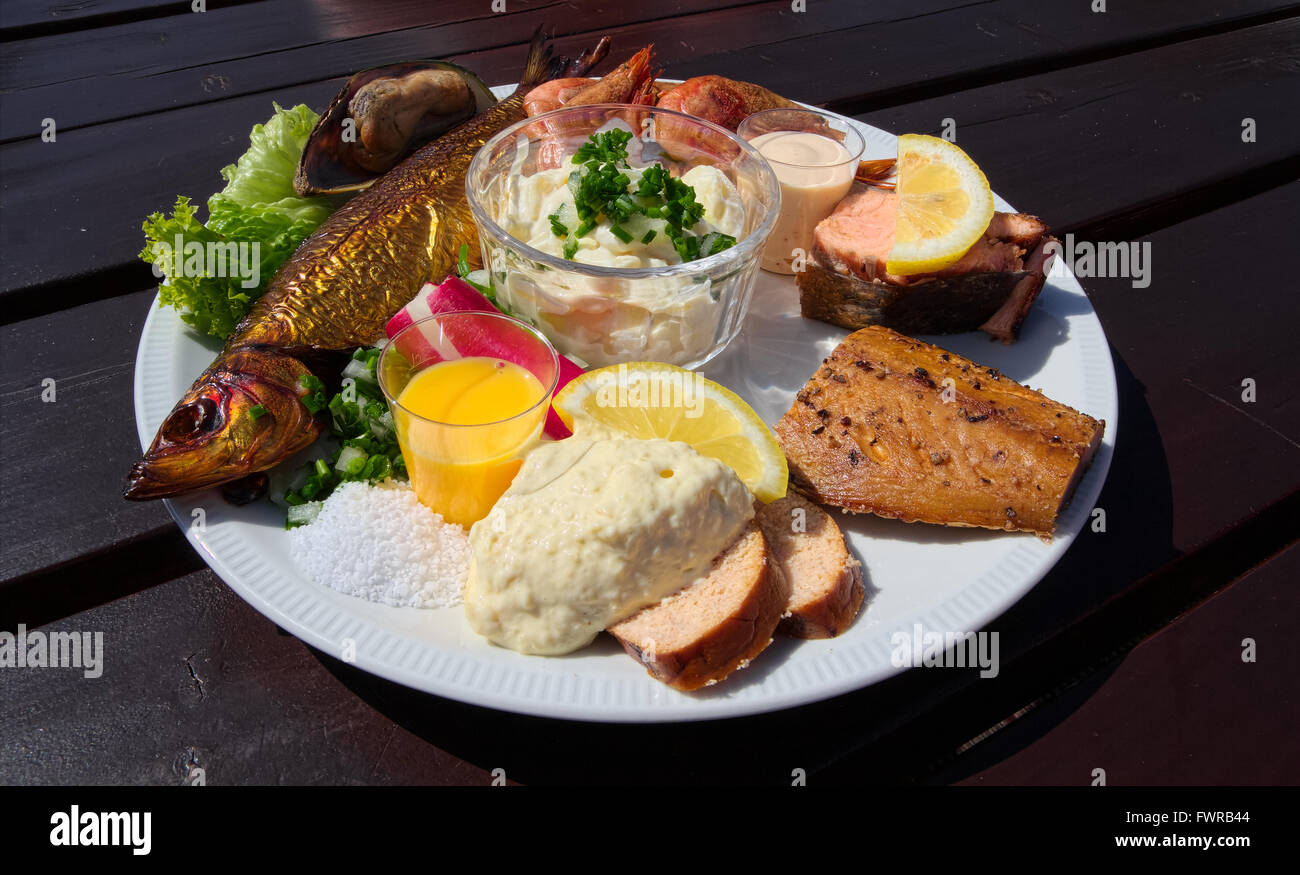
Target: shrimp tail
x=646 y=93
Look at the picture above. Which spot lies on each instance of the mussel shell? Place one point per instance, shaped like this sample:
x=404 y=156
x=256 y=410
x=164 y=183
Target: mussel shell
x=326 y=166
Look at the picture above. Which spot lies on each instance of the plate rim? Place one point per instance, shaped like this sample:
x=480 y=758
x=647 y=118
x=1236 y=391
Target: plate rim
x=689 y=709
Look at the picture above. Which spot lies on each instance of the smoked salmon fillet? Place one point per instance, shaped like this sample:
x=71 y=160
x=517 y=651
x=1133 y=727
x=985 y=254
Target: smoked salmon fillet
x=897 y=427
x=991 y=288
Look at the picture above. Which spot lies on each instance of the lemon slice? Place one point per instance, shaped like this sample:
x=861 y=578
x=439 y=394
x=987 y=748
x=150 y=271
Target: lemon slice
x=944 y=205
x=655 y=400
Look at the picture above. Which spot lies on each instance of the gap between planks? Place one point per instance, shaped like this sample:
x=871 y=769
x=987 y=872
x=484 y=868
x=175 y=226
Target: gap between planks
x=998 y=74
x=54 y=593
x=122 y=278
x=36 y=27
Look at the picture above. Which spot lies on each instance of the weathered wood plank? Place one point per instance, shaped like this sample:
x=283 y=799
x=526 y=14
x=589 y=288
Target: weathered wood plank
x=60 y=496
x=1219 y=720
x=1088 y=144
x=834 y=51
x=22 y=19
x=1192 y=342
x=914 y=53
x=219 y=688
x=84 y=182
x=1046 y=671
x=86 y=78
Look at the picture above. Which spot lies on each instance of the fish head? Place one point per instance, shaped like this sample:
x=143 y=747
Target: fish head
x=244 y=414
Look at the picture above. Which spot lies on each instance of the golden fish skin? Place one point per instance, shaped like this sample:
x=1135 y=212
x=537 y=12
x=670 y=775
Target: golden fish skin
x=336 y=292
x=371 y=256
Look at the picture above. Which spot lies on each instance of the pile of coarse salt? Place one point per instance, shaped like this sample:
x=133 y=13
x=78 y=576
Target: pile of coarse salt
x=379 y=543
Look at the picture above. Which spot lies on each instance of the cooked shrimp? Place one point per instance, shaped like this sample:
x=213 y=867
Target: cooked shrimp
x=724 y=102
x=553 y=95
x=630 y=82
x=622 y=83
x=647 y=93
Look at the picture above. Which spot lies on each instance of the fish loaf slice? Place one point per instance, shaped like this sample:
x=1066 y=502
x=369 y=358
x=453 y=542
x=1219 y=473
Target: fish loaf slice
x=707 y=630
x=897 y=427
x=826 y=588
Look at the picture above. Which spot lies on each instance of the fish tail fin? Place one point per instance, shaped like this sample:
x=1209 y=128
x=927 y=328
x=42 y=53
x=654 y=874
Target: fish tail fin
x=544 y=65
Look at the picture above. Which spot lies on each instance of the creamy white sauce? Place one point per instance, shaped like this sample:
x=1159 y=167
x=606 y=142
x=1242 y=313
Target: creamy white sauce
x=535 y=198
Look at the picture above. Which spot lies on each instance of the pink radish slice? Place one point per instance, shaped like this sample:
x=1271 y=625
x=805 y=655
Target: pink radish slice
x=555 y=427
x=482 y=336
x=452 y=296
x=414 y=346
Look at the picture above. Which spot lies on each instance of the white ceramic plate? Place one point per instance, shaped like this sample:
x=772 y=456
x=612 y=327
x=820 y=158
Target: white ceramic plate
x=945 y=579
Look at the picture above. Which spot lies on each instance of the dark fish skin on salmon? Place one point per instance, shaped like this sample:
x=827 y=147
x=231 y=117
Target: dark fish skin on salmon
x=878 y=429
x=991 y=288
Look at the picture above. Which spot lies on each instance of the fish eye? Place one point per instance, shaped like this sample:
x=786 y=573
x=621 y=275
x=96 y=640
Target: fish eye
x=190 y=420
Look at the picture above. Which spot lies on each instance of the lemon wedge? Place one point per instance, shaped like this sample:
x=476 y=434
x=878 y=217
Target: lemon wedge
x=944 y=205
x=654 y=400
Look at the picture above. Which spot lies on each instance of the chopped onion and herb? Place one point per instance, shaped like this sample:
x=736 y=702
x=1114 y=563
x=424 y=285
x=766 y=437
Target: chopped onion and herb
x=360 y=419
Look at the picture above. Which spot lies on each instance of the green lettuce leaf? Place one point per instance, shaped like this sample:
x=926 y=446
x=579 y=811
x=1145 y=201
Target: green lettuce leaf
x=259 y=186
x=211 y=305
x=257 y=206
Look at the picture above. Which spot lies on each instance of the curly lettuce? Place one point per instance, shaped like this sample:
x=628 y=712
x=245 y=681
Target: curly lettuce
x=215 y=270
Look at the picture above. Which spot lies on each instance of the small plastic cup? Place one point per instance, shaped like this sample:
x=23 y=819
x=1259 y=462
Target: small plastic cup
x=814 y=156
x=460 y=469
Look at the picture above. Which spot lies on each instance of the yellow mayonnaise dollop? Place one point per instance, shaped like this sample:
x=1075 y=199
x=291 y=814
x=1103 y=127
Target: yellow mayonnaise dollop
x=591 y=531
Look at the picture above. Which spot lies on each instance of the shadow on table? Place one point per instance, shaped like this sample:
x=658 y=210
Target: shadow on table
x=904 y=729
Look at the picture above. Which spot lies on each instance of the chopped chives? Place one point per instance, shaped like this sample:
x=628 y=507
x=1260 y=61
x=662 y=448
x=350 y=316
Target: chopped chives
x=600 y=188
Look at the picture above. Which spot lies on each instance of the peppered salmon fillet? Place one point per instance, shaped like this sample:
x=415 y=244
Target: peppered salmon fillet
x=879 y=429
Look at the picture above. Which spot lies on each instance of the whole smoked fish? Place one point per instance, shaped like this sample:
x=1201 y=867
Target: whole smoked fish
x=335 y=293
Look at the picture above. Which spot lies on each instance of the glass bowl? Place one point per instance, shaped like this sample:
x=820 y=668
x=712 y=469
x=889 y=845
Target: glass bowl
x=683 y=314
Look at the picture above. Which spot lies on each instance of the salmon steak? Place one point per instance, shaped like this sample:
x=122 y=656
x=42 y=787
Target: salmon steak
x=896 y=427
x=990 y=288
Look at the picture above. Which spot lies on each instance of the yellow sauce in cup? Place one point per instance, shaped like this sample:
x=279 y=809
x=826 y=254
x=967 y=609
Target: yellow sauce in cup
x=467 y=439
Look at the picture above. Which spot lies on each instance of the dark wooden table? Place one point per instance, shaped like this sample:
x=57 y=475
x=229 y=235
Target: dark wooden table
x=1122 y=125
